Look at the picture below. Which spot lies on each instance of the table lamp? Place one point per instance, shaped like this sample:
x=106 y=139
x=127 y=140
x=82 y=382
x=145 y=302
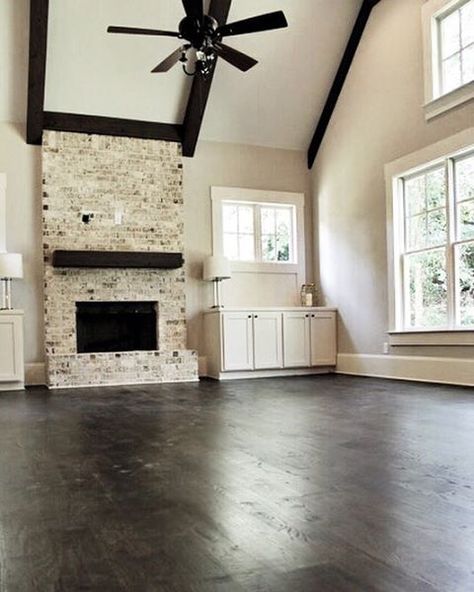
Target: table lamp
x=216 y=269
x=11 y=267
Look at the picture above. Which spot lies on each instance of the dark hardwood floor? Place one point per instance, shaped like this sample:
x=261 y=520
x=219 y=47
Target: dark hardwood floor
x=326 y=484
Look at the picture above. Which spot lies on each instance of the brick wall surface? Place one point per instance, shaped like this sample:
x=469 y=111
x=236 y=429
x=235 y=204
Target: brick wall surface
x=102 y=175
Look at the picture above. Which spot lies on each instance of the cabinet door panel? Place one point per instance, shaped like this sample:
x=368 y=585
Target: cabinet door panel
x=323 y=339
x=11 y=355
x=267 y=327
x=296 y=341
x=237 y=351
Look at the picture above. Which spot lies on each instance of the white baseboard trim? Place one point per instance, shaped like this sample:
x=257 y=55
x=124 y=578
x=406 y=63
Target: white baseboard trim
x=457 y=371
x=35 y=374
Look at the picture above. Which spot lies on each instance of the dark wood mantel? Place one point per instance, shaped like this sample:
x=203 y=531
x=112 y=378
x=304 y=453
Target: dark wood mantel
x=117 y=259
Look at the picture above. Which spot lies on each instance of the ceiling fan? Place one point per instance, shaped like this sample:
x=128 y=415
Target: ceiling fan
x=204 y=38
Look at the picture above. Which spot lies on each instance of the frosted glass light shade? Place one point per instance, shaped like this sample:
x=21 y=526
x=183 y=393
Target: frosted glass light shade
x=216 y=268
x=11 y=265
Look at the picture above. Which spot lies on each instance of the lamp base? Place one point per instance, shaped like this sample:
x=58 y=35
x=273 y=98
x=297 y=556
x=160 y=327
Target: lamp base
x=6 y=303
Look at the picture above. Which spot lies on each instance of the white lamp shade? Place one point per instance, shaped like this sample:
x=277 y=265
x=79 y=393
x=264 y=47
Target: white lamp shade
x=11 y=265
x=216 y=268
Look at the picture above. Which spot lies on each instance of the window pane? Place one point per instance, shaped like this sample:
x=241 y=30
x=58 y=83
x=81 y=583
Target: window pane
x=415 y=195
x=417 y=232
x=231 y=246
x=465 y=255
x=465 y=178
x=468 y=64
x=436 y=189
x=466 y=220
x=427 y=289
x=246 y=219
x=450 y=38
x=268 y=220
x=246 y=247
x=437 y=228
x=283 y=235
x=268 y=247
x=452 y=73
x=467 y=23
x=229 y=218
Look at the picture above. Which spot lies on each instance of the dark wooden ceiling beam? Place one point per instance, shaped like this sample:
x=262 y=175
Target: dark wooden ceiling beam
x=39 y=10
x=201 y=88
x=340 y=78
x=111 y=126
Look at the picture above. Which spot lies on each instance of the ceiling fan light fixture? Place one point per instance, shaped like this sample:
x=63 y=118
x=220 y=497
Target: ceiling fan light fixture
x=204 y=35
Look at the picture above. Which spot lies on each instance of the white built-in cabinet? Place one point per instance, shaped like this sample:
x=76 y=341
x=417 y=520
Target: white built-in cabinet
x=12 y=372
x=266 y=342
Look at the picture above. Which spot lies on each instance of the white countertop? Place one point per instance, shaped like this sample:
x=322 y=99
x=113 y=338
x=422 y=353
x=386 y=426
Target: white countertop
x=271 y=309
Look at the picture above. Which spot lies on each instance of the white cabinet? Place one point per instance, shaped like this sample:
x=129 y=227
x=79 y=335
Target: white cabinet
x=309 y=339
x=251 y=341
x=269 y=342
x=296 y=330
x=11 y=350
x=323 y=339
x=237 y=341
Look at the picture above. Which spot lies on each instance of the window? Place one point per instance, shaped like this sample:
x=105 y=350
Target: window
x=449 y=54
x=456 y=47
x=433 y=245
x=259 y=232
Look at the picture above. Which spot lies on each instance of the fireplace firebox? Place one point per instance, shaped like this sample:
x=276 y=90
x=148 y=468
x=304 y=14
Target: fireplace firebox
x=116 y=326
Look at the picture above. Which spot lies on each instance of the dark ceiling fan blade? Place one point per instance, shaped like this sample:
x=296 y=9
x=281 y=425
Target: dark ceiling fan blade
x=136 y=31
x=236 y=58
x=193 y=8
x=264 y=22
x=169 y=62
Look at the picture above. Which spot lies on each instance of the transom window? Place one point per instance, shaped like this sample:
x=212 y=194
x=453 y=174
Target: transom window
x=456 y=46
x=259 y=232
x=436 y=238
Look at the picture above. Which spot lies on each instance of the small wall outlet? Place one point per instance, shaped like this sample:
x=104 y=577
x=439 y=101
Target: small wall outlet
x=118 y=217
x=386 y=348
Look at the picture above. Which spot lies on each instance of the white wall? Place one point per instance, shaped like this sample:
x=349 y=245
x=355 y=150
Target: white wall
x=378 y=118
x=22 y=165
x=233 y=165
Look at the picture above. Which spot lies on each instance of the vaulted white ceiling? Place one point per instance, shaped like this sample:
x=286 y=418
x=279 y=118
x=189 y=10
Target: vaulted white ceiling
x=275 y=104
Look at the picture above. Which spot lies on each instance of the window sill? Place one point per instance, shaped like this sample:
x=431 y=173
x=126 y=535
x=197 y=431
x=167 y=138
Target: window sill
x=450 y=100
x=260 y=267
x=428 y=338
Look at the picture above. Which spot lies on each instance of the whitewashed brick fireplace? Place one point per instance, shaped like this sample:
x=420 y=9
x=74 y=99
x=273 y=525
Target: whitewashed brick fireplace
x=133 y=189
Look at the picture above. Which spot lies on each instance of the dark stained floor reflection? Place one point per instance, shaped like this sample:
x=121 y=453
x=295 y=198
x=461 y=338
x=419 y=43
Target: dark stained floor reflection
x=324 y=484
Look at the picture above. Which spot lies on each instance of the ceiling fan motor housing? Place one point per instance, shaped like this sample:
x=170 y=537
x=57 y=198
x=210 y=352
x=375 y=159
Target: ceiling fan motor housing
x=198 y=31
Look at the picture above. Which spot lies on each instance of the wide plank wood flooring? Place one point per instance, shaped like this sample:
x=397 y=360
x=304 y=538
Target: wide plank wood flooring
x=314 y=484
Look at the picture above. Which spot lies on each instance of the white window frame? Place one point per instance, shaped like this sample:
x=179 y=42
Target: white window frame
x=220 y=195
x=423 y=159
x=437 y=103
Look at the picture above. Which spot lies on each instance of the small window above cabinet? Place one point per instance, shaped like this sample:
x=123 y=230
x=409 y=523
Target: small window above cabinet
x=270 y=342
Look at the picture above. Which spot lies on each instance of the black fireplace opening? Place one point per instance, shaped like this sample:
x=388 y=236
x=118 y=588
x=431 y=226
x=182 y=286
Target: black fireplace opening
x=116 y=326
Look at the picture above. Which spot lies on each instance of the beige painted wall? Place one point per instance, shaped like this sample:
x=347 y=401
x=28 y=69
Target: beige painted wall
x=22 y=163
x=252 y=167
x=378 y=118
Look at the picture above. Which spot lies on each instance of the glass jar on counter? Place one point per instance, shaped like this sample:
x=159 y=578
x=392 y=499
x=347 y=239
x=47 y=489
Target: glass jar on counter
x=308 y=295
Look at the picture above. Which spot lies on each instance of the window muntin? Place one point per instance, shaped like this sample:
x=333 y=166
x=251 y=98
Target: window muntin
x=259 y=232
x=456 y=47
x=437 y=246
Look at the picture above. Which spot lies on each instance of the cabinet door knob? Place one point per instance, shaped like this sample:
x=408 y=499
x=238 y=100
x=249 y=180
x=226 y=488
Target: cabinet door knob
x=307 y=316
x=250 y=316
x=313 y=316
x=256 y=316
